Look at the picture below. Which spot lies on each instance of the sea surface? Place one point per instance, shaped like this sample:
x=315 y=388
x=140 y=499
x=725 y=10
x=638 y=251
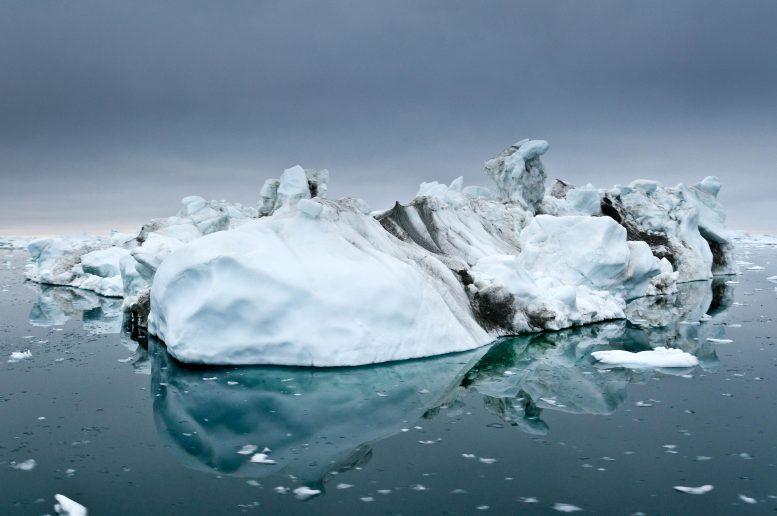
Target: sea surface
x=528 y=425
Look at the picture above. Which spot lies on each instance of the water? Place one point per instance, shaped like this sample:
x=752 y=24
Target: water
x=529 y=425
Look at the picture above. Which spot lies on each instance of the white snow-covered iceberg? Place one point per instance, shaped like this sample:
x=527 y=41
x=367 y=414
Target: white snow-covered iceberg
x=303 y=280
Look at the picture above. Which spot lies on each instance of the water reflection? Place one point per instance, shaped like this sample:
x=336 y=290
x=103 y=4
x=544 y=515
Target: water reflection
x=521 y=376
x=57 y=305
x=314 y=421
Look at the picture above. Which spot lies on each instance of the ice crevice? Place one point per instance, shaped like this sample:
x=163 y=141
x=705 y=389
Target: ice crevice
x=299 y=279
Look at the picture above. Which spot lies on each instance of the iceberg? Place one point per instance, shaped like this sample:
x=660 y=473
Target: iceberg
x=302 y=280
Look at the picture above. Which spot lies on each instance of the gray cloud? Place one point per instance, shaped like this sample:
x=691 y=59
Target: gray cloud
x=110 y=112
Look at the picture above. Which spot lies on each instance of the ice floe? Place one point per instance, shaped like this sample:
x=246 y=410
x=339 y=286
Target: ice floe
x=67 y=507
x=658 y=357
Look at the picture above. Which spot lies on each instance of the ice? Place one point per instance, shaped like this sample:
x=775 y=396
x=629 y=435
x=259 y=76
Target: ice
x=18 y=356
x=27 y=465
x=658 y=357
x=305 y=493
x=747 y=499
x=295 y=290
x=261 y=458
x=67 y=507
x=694 y=490
x=302 y=280
x=519 y=174
x=566 y=507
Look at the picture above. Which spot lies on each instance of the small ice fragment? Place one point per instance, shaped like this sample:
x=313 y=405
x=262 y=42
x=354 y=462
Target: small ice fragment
x=247 y=449
x=384 y=491
x=418 y=487
x=231 y=383
x=468 y=455
x=367 y=499
x=719 y=341
x=529 y=499
x=253 y=482
x=486 y=460
x=746 y=456
x=694 y=490
x=382 y=394
x=67 y=507
x=261 y=458
x=281 y=490
x=210 y=378
x=27 y=465
x=483 y=507
x=566 y=507
x=747 y=499
x=426 y=442
x=643 y=404
x=509 y=373
x=755 y=268
x=18 y=356
x=773 y=279
x=459 y=491
x=125 y=360
x=658 y=357
x=70 y=472
x=343 y=486
x=702 y=458
x=305 y=493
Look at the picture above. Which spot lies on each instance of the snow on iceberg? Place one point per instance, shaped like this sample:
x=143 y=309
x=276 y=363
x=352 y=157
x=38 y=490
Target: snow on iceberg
x=324 y=285
x=302 y=280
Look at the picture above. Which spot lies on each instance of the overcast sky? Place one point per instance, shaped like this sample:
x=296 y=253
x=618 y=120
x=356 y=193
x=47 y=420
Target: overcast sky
x=110 y=112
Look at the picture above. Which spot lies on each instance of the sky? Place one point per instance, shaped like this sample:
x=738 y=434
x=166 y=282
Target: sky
x=111 y=112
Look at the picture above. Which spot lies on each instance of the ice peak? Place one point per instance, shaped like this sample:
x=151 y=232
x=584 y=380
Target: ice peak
x=519 y=174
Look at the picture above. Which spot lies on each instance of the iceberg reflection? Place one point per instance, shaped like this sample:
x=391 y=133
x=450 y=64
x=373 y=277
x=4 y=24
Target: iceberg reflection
x=314 y=421
x=317 y=422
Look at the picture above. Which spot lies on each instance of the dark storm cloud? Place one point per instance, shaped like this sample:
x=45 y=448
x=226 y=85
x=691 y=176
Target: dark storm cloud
x=110 y=112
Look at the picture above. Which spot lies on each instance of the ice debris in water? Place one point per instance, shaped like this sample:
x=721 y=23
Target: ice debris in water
x=658 y=357
x=261 y=458
x=248 y=449
x=566 y=507
x=27 y=465
x=304 y=493
x=719 y=341
x=694 y=490
x=747 y=499
x=18 y=356
x=67 y=507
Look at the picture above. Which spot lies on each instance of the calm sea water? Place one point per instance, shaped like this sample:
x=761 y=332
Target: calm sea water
x=529 y=425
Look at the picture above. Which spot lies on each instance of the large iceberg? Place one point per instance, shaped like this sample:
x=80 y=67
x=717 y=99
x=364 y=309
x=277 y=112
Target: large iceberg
x=303 y=280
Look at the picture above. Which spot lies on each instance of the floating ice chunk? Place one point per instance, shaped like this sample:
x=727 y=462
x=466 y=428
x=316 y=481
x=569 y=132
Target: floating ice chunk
x=67 y=507
x=18 y=356
x=747 y=499
x=773 y=279
x=694 y=490
x=719 y=341
x=305 y=493
x=658 y=357
x=27 y=465
x=248 y=449
x=755 y=268
x=261 y=458
x=343 y=485
x=566 y=507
